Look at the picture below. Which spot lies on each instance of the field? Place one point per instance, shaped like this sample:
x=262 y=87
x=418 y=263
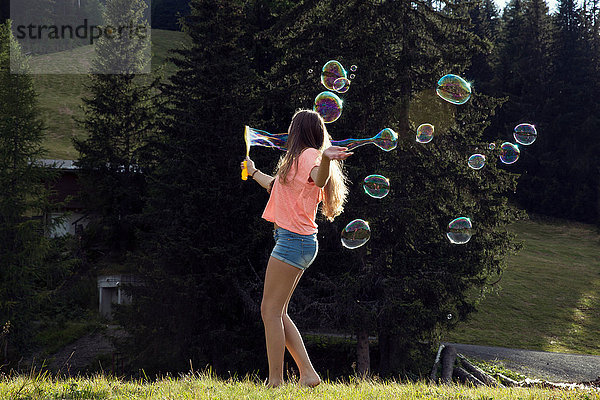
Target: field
x=204 y=386
x=549 y=296
x=60 y=94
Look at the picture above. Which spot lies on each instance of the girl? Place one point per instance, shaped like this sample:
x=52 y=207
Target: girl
x=308 y=174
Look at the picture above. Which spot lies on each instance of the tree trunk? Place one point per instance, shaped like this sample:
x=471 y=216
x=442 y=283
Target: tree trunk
x=506 y=380
x=465 y=377
x=448 y=357
x=436 y=364
x=477 y=372
x=391 y=356
x=363 y=359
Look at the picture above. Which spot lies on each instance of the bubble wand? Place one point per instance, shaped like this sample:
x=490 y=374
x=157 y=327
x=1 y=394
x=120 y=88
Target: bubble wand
x=256 y=137
x=245 y=170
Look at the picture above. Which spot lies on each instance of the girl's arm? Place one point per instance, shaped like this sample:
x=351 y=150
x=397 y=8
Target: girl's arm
x=263 y=179
x=320 y=174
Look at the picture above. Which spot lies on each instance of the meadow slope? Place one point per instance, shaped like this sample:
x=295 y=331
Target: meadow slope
x=549 y=295
x=60 y=91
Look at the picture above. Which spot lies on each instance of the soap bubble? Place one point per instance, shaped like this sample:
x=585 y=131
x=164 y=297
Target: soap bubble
x=310 y=71
x=525 y=134
x=352 y=76
x=477 y=161
x=331 y=71
x=256 y=137
x=329 y=106
x=459 y=230
x=425 y=133
x=386 y=140
x=341 y=85
x=509 y=153
x=353 y=68
x=454 y=89
x=356 y=234
x=492 y=146
x=449 y=316
x=377 y=186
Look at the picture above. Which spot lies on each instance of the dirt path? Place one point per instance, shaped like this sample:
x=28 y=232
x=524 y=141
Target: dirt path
x=82 y=354
x=556 y=367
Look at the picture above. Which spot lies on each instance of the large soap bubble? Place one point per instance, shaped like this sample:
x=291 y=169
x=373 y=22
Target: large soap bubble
x=509 y=153
x=329 y=106
x=454 y=89
x=525 y=134
x=377 y=186
x=425 y=133
x=477 y=161
x=332 y=70
x=386 y=140
x=459 y=230
x=356 y=234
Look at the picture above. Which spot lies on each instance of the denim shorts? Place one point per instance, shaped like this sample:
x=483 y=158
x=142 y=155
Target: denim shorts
x=292 y=248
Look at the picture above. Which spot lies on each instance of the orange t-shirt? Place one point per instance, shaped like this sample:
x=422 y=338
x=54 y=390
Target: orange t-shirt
x=293 y=205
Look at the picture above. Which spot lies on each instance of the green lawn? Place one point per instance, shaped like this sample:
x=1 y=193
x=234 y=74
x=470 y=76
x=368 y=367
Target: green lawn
x=202 y=386
x=549 y=296
x=60 y=94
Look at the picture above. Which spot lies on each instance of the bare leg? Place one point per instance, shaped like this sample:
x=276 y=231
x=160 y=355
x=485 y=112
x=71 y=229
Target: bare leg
x=280 y=281
x=295 y=345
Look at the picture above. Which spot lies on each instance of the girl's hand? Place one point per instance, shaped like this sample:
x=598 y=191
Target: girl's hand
x=251 y=166
x=337 y=153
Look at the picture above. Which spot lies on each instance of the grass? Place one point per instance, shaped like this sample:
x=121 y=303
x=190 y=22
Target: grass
x=60 y=91
x=205 y=386
x=549 y=296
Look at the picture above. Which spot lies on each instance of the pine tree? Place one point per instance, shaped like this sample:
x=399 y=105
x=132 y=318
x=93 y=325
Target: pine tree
x=200 y=215
x=486 y=25
x=403 y=284
x=22 y=195
x=120 y=117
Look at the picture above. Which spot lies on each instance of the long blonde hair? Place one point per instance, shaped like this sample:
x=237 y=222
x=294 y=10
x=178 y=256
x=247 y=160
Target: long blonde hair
x=307 y=129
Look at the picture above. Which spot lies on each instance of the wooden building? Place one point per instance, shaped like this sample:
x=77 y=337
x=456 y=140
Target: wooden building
x=66 y=194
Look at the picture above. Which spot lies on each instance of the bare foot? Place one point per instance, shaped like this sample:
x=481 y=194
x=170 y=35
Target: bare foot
x=310 y=381
x=273 y=384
